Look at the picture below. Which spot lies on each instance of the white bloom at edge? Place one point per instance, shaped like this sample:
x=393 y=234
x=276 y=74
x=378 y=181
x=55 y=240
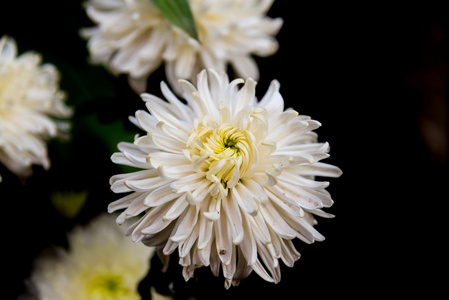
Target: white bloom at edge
x=100 y=264
x=132 y=37
x=30 y=100
x=225 y=179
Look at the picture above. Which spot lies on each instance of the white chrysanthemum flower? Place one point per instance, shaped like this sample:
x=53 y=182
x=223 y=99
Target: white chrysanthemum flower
x=132 y=37
x=100 y=265
x=226 y=180
x=30 y=100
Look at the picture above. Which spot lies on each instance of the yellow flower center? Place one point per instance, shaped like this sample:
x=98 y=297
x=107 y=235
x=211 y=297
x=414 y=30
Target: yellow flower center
x=222 y=152
x=107 y=286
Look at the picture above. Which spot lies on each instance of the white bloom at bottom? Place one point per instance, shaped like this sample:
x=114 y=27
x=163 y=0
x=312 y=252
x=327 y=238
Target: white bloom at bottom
x=226 y=180
x=100 y=265
x=30 y=102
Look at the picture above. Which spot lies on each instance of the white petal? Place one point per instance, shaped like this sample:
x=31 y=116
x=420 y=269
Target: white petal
x=229 y=268
x=186 y=223
x=319 y=169
x=178 y=172
x=124 y=202
x=248 y=244
x=231 y=92
x=176 y=209
x=161 y=195
x=192 y=96
x=184 y=248
x=260 y=229
x=163 y=112
x=146 y=184
x=188 y=183
x=264 y=179
x=242 y=269
x=167 y=159
x=234 y=219
x=213 y=214
x=289 y=254
x=256 y=190
x=260 y=270
x=301 y=181
x=245 y=199
x=245 y=96
x=270 y=262
x=299 y=195
x=223 y=239
x=210 y=104
x=205 y=234
x=174 y=133
x=272 y=100
x=200 y=193
x=276 y=222
x=121 y=159
x=305 y=231
x=8 y=48
x=146 y=121
x=214 y=261
x=286 y=204
x=153 y=222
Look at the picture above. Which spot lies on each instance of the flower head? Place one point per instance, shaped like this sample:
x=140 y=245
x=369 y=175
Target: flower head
x=226 y=180
x=30 y=100
x=100 y=265
x=132 y=37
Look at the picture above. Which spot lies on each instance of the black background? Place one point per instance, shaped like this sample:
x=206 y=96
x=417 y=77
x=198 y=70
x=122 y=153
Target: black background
x=375 y=76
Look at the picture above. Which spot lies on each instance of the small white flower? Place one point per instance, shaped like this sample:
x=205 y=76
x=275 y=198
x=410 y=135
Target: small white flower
x=132 y=37
x=225 y=179
x=30 y=99
x=99 y=265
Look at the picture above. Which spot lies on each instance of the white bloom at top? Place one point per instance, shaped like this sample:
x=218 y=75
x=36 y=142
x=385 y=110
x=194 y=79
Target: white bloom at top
x=30 y=100
x=226 y=180
x=100 y=265
x=132 y=37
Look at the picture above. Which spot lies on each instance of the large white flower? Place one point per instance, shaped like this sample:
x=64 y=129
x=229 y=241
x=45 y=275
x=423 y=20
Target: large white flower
x=133 y=37
x=30 y=100
x=99 y=265
x=226 y=180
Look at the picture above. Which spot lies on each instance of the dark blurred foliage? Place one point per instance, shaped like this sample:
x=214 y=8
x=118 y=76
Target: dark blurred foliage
x=374 y=75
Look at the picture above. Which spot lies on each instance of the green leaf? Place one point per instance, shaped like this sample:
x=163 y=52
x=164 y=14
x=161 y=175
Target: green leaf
x=110 y=134
x=179 y=14
x=69 y=203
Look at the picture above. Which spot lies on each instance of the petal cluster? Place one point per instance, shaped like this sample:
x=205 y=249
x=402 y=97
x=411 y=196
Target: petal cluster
x=132 y=37
x=32 y=108
x=226 y=180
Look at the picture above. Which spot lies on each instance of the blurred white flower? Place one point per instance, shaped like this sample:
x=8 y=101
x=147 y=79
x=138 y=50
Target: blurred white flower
x=30 y=102
x=132 y=37
x=226 y=180
x=100 y=265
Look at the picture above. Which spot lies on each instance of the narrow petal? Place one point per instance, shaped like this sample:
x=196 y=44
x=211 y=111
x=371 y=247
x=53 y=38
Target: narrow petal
x=248 y=244
x=161 y=195
x=245 y=199
x=185 y=225
x=234 y=219
x=276 y=222
x=176 y=209
x=223 y=239
x=245 y=96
